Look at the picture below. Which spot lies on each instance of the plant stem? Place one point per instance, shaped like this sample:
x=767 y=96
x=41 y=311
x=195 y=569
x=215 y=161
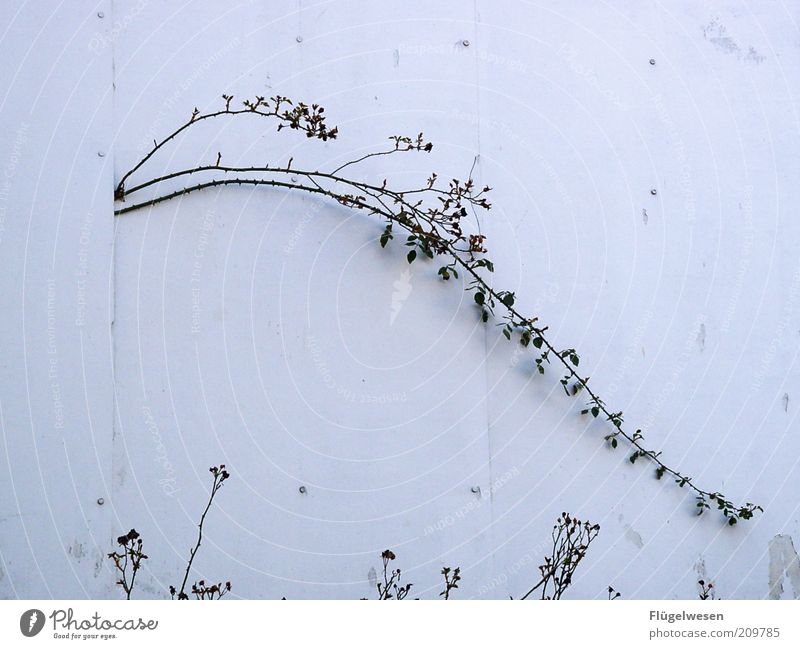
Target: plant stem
x=424 y=225
x=193 y=552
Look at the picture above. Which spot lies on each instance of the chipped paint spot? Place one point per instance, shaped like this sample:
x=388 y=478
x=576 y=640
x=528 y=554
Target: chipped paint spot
x=397 y=58
x=4 y=519
x=701 y=337
x=752 y=55
x=77 y=550
x=372 y=577
x=119 y=476
x=99 y=557
x=644 y=216
x=717 y=34
x=149 y=588
x=634 y=537
x=631 y=534
x=783 y=562
x=700 y=569
x=786 y=402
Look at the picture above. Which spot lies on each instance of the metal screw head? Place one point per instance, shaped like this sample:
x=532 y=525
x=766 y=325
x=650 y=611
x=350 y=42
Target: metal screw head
x=475 y=489
x=100 y=14
x=302 y=490
x=101 y=154
x=465 y=43
x=654 y=192
x=299 y=39
x=101 y=501
x=652 y=61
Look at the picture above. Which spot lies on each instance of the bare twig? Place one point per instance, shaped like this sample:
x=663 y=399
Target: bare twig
x=213 y=591
x=131 y=556
x=301 y=117
x=391 y=588
x=571 y=540
x=451 y=579
x=220 y=476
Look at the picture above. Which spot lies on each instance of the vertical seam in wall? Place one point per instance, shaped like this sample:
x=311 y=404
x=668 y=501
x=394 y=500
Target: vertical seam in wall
x=113 y=275
x=489 y=465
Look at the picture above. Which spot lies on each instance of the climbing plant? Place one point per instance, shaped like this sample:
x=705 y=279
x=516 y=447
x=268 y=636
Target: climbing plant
x=433 y=221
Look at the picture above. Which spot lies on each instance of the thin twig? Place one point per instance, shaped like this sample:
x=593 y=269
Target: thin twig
x=220 y=475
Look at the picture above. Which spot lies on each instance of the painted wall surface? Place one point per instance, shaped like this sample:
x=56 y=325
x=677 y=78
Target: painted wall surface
x=645 y=211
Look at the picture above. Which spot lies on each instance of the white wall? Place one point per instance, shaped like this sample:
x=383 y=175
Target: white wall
x=270 y=332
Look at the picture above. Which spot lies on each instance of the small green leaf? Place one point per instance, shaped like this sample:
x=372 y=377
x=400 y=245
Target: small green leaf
x=411 y=256
x=480 y=298
x=387 y=234
x=537 y=342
